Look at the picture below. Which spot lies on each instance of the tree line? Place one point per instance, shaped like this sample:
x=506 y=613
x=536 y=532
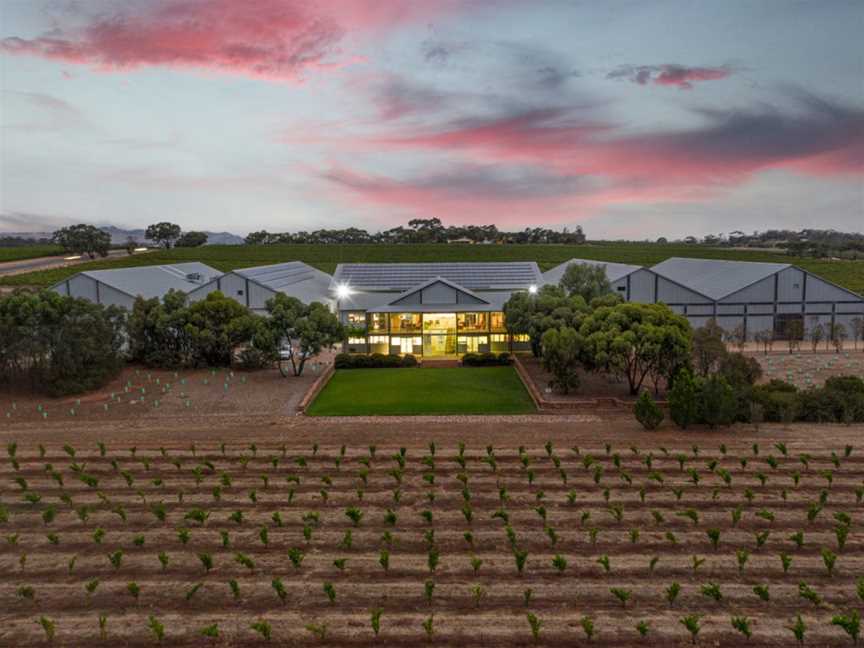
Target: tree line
x=422 y=230
x=59 y=345
x=801 y=243
x=92 y=241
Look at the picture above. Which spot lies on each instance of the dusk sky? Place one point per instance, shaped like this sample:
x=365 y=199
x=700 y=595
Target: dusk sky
x=633 y=119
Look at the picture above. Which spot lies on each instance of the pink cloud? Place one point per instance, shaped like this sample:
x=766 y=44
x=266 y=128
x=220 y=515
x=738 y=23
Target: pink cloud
x=669 y=74
x=274 y=39
x=481 y=196
x=684 y=77
x=570 y=167
x=728 y=149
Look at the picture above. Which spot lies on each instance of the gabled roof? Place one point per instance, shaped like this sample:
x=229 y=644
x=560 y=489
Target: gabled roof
x=614 y=271
x=293 y=278
x=431 y=307
x=155 y=280
x=714 y=278
x=432 y=282
x=280 y=276
x=393 y=277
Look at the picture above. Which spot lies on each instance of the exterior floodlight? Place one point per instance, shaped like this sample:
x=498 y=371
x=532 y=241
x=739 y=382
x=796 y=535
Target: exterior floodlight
x=144 y=249
x=532 y=289
x=343 y=291
x=72 y=258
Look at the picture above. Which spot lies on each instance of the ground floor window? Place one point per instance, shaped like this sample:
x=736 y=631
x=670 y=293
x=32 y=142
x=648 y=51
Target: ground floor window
x=500 y=343
x=407 y=344
x=379 y=344
x=356 y=340
x=472 y=343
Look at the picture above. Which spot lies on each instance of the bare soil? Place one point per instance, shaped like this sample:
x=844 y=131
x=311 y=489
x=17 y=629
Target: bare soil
x=807 y=369
x=141 y=394
x=194 y=463
x=591 y=384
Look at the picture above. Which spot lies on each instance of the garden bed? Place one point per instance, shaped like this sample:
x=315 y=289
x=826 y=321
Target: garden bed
x=594 y=386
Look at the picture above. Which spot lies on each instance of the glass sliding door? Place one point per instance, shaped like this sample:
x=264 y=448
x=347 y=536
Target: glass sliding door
x=439 y=334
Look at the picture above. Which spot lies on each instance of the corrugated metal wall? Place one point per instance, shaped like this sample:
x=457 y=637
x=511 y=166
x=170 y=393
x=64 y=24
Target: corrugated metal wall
x=642 y=287
x=672 y=293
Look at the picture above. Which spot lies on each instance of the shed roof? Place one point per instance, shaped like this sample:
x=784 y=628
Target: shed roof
x=614 y=271
x=293 y=278
x=392 y=277
x=280 y=276
x=715 y=278
x=155 y=280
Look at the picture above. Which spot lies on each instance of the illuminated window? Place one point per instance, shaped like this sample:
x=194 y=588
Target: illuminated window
x=522 y=338
x=405 y=322
x=356 y=340
x=407 y=344
x=471 y=343
x=497 y=321
x=471 y=321
x=379 y=344
x=355 y=318
x=499 y=337
x=378 y=322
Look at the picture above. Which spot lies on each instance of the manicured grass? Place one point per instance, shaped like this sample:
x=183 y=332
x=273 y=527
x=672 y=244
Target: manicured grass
x=849 y=274
x=28 y=252
x=457 y=390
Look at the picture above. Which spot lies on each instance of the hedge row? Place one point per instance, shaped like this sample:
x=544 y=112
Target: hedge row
x=486 y=359
x=373 y=361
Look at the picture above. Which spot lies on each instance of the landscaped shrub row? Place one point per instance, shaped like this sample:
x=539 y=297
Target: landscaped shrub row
x=374 y=361
x=716 y=401
x=486 y=359
x=840 y=400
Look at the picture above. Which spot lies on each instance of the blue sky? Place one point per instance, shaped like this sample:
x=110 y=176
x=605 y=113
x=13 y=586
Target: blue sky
x=632 y=119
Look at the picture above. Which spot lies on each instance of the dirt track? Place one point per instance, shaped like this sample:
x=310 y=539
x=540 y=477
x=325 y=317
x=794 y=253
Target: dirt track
x=559 y=600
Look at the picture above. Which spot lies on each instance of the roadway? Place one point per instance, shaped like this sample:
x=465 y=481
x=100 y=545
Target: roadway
x=48 y=263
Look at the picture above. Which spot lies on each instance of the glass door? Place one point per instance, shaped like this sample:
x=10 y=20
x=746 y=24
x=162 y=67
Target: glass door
x=439 y=334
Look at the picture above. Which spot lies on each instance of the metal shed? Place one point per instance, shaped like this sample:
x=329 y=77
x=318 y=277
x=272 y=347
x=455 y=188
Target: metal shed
x=759 y=297
x=121 y=286
x=634 y=283
x=252 y=287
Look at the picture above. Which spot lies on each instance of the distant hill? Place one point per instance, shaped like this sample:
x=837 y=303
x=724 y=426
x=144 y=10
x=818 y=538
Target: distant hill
x=119 y=236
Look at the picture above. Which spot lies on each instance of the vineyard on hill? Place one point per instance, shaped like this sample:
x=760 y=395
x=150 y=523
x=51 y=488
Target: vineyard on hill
x=849 y=274
x=186 y=545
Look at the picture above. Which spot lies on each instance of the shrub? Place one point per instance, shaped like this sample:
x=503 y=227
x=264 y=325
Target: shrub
x=647 y=412
x=740 y=370
x=718 y=403
x=561 y=348
x=684 y=400
x=374 y=361
x=485 y=359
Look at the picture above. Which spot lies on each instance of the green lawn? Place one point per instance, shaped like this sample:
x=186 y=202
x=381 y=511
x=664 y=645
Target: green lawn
x=475 y=390
x=325 y=257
